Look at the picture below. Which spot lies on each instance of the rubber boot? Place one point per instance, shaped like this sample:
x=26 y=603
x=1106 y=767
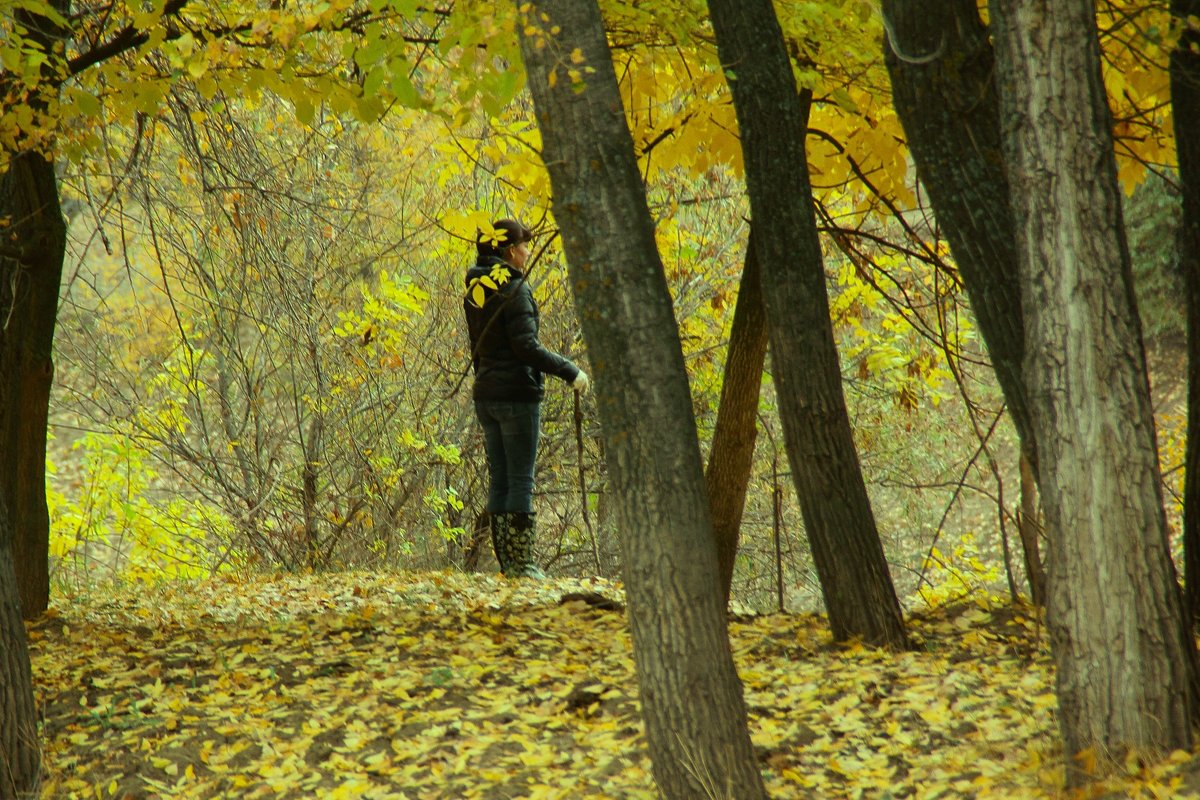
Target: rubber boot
x=501 y=524
x=522 y=535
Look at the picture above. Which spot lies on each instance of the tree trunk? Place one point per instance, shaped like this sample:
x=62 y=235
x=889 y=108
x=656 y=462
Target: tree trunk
x=27 y=254
x=1030 y=531
x=691 y=698
x=33 y=239
x=30 y=272
x=943 y=88
x=20 y=757
x=1185 y=103
x=1126 y=663
x=731 y=458
x=773 y=117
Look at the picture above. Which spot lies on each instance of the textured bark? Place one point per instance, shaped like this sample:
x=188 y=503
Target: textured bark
x=1185 y=103
x=29 y=197
x=773 y=117
x=1126 y=663
x=942 y=70
x=20 y=757
x=32 y=244
x=691 y=697
x=1030 y=531
x=731 y=457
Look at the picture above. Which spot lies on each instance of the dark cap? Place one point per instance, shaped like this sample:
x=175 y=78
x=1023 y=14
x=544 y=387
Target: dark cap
x=514 y=234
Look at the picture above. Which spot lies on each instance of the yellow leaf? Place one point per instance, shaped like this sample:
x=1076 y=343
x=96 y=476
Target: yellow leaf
x=553 y=79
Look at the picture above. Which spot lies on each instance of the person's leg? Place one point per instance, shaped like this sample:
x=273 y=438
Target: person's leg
x=522 y=535
x=497 y=460
x=521 y=430
x=521 y=433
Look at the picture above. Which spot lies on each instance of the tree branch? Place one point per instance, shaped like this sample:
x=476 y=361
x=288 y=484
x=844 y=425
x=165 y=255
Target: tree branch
x=124 y=40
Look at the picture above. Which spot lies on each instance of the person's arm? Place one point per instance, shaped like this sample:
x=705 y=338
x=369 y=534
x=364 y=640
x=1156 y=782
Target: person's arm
x=520 y=320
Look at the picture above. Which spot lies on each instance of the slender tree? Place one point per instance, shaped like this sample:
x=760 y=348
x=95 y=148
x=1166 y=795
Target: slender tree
x=1185 y=104
x=33 y=239
x=772 y=118
x=691 y=698
x=19 y=753
x=1126 y=662
x=20 y=756
x=942 y=68
x=731 y=457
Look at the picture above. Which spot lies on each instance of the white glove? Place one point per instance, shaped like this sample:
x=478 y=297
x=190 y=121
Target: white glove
x=581 y=383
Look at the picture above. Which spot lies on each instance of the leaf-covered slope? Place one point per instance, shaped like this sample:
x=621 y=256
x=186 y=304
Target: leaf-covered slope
x=449 y=686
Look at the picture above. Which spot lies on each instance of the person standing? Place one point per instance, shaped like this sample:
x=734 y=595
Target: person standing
x=510 y=366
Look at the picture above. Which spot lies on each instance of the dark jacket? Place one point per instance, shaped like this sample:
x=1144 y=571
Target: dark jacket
x=509 y=361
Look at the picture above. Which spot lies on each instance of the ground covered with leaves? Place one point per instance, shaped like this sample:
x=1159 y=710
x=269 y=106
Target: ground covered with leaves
x=461 y=687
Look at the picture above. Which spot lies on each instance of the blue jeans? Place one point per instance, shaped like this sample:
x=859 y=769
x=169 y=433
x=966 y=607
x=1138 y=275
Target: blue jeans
x=510 y=437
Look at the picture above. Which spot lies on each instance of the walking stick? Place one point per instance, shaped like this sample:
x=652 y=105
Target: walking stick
x=583 y=483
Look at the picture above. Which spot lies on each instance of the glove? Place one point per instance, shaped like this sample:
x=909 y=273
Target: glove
x=581 y=383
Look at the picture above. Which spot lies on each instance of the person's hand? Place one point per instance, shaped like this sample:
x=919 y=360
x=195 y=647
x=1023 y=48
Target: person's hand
x=581 y=383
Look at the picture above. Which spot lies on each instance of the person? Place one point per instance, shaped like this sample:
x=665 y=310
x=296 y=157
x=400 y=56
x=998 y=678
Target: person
x=510 y=366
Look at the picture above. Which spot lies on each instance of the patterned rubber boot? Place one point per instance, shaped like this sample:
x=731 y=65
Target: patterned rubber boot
x=522 y=534
x=501 y=523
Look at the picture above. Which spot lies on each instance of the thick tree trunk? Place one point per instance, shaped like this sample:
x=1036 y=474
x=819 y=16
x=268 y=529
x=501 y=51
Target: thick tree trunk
x=731 y=458
x=31 y=258
x=20 y=756
x=33 y=240
x=772 y=116
x=1126 y=663
x=1185 y=103
x=943 y=88
x=691 y=697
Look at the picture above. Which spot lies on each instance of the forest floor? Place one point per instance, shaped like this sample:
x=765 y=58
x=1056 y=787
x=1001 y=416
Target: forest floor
x=440 y=685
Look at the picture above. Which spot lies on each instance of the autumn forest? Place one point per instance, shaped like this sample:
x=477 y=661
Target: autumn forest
x=883 y=488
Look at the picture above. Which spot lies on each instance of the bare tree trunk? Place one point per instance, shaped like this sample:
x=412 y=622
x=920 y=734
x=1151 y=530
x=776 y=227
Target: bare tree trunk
x=29 y=199
x=1030 y=530
x=311 y=448
x=29 y=276
x=20 y=756
x=1126 y=662
x=943 y=88
x=943 y=70
x=33 y=239
x=731 y=457
x=1185 y=103
x=773 y=118
x=691 y=697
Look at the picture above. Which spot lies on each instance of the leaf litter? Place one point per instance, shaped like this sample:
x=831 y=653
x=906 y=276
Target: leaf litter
x=442 y=685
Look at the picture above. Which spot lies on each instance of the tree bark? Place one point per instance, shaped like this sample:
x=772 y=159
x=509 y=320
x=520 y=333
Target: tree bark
x=942 y=69
x=31 y=262
x=691 y=697
x=20 y=756
x=1030 y=531
x=1185 y=104
x=31 y=276
x=731 y=457
x=1126 y=662
x=33 y=240
x=773 y=117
